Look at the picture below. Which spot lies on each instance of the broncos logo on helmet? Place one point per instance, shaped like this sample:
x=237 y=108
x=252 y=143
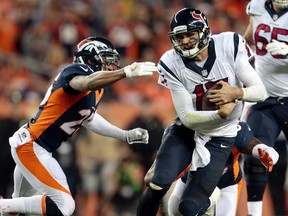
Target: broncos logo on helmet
x=96 y=52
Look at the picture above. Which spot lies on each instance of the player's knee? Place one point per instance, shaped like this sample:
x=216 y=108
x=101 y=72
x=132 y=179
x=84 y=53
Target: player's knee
x=152 y=195
x=65 y=210
x=192 y=207
x=52 y=208
x=256 y=179
x=69 y=206
x=254 y=171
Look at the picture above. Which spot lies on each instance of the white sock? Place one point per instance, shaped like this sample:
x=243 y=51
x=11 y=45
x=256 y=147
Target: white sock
x=32 y=205
x=255 y=208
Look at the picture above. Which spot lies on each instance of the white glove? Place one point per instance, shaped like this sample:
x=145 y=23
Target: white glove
x=277 y=48
x=137 y=135
x=140 y=69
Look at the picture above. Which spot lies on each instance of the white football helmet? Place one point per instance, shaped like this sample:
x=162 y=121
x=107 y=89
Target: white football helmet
x=189 y=20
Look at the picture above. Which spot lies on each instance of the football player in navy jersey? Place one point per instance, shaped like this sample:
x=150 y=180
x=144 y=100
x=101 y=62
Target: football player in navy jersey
x=70 y=102
x=231 y=179
x=196 y=62
x=268 y=30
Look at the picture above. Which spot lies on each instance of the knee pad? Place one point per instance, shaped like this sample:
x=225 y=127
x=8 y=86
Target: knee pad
x=256 y=178
x=194 y=201
x=192 y=207
x=254 y=170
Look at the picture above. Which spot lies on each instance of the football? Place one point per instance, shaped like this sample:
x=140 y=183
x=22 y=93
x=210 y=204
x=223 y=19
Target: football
x=206 y=104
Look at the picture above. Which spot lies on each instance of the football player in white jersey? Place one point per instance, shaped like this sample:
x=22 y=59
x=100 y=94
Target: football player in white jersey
x=269 y=30
x=197 y=62
x=231 y=180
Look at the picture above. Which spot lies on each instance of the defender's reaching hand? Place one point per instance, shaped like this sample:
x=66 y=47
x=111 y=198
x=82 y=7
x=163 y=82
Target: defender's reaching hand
x=140 y=69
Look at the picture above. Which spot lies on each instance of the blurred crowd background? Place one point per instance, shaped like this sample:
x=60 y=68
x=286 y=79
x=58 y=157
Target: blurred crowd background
x=37 y=38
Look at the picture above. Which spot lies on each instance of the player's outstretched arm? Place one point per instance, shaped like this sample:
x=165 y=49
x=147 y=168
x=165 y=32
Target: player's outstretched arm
x=140 y=69
x=101 y=79
x=267 y=155
x=101 y=126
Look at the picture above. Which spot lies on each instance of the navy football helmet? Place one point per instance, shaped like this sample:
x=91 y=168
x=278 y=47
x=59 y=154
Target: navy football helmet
x=96 y=52
x=189 y=20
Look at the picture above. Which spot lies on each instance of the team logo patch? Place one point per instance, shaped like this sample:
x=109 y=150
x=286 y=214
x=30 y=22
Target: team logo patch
x=23 y=135
x=197 y=16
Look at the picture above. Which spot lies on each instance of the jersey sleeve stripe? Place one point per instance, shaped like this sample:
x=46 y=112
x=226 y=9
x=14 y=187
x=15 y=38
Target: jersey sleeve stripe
x=168 y=70
x=236 y=44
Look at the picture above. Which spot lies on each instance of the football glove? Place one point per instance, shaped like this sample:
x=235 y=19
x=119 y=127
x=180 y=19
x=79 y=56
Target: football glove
x=137 y=135
x=277 y=48
x=267 y=155
x=140 y=69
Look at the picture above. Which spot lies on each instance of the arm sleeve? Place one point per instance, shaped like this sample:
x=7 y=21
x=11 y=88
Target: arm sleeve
x=101 y=126
x=255 y=89
x=186 y=112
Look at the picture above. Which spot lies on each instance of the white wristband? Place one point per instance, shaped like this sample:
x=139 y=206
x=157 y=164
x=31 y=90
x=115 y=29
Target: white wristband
x=272 y=152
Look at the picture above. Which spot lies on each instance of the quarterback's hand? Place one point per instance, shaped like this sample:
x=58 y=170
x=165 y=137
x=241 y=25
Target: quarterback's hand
x=137 y=135
x=226 y=109
x=277 y=48
x=140 y=69
x=267 y=155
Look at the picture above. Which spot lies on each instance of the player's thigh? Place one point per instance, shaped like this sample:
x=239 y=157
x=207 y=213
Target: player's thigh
x=206 y=179
x=264 y=126
x=22 y=188
x=42 y=171
x=227 y=204
x=174 y=155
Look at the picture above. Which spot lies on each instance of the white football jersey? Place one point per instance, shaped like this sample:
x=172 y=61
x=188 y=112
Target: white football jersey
x=228 y=55
x=268 y=25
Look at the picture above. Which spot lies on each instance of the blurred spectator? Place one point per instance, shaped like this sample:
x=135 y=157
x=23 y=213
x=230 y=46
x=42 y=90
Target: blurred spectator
x=129 y=181
x=97 y=172
x=147 y=119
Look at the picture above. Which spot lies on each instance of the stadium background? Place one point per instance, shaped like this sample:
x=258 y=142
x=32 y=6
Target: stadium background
x=37 y=38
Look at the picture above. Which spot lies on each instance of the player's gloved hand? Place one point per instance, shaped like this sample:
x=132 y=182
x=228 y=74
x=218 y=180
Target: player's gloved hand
x=137 y=135
x=265 y=159
x=267 y=155
x=140 y=69
x=277 y=48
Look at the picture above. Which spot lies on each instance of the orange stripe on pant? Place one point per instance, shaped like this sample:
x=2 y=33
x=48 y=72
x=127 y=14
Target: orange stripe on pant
x=28 y=158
